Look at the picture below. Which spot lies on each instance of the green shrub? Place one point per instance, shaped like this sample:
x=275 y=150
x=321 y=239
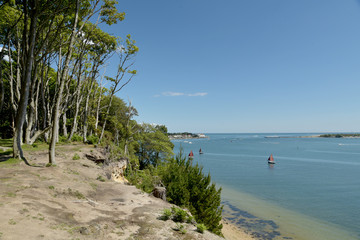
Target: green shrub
x=187 y=186
x=76 y=156
x=201 y=228
x=63 y=139
x=143 y=179
x=92 y=139
x=166 y=214
x=179 y=227
x=190 y=219
x=179 y=215
x=77 y=138
x=100 y=178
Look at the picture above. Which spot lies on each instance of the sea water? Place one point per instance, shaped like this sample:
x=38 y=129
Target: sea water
x=312 y=192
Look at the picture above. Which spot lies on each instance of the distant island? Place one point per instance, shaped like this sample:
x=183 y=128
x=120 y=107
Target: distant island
x=328 y=135
x=341 y=135
x=186 y=135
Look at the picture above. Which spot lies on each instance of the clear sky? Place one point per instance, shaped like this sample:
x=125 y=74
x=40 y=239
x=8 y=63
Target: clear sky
x=245 y=65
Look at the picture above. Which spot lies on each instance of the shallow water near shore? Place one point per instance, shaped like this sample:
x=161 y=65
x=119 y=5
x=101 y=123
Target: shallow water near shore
x=312 y=192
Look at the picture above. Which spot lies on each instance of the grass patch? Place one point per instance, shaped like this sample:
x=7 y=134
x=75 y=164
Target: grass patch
x=10 y=162
x=12 y=222
x=101 y=178
x=5 y=153
x=94 y=186
x=76 y=156
x=39 y=217
x=76 y=194
x=10 y=194
x=51 y=187
x=35 y=147
x=6 y=142
x=70 y=171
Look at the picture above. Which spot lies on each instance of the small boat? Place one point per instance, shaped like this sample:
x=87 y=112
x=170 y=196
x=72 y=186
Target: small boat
x=271 y=160
x=200 y=151
x=191 y=154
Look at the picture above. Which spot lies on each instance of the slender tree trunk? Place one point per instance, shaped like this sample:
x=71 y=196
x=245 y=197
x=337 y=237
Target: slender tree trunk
x=65 y=133
x=11 y=82
x=86 y=109
x=25 y=85
x=31 y=120
x=75 y=123
x=2 y=92
x=63 y=77
x=106 y=115
x=97 y=111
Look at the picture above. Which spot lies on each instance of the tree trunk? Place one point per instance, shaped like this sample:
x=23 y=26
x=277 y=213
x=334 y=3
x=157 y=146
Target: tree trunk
x=26 y=79
x=65 y=133
x=63 y=77
x=98 y=111
x=1 y=82
x=106 y=115
x=75 y=123
x=32 y=109
x=86 y=110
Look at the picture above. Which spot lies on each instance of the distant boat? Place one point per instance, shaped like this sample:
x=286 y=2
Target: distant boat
x=271 y=160
x=191 y=154
x=200 y=151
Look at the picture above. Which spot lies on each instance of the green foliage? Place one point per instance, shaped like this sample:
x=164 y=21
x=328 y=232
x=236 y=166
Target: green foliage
x=154 y=145
x=77 y=138
x=201 y=228
x=76 y=156
x=92 y=139
x=101 y=178
x=187 y=186
x=143 y=179
x=190 y=219
x=179 y=227
x=166 y=214
x=179 y=215
x=109 y=13
x=63 y=139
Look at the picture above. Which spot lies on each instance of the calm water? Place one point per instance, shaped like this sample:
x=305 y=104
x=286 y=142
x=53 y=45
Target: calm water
x=312 y=192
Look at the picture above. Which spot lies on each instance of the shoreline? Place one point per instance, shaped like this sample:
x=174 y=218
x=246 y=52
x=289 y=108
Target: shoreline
x=232 y=232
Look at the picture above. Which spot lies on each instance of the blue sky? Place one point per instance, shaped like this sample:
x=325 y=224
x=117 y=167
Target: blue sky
x=245 y=65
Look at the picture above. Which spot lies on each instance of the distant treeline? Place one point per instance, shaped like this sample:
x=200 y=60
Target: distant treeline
x=340 y=135
x=184 y=133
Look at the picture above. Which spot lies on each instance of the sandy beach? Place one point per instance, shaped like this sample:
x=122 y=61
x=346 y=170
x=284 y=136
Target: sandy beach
x=231 y=232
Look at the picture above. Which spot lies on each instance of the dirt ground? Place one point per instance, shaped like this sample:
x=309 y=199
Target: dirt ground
x=76 y=200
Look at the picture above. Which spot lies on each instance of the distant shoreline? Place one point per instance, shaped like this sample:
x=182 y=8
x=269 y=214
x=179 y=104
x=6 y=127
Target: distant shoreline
x=335 y=135
x=186 y=135
x=310 y=136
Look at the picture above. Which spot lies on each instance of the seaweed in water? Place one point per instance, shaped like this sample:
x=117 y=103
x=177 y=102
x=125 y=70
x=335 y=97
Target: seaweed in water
x=259 y=228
